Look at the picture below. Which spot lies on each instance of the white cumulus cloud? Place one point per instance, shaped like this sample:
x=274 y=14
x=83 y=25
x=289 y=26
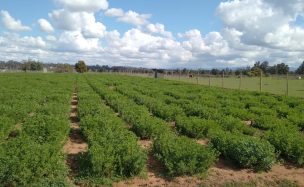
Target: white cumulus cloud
x=45 y=26
x=130 y=16
x=114 y=12
x=11 y=23
x=78 y=21
x=84 y=5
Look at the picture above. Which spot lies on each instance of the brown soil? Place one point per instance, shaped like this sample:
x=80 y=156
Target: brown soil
x=223 y=173
x=31 y=114
x=145 y=144
x=76 y=143
x=202 y=141
x=172 y=124
x=248 y=123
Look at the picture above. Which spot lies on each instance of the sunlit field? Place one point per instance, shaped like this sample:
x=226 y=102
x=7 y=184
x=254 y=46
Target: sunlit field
x=103 y=129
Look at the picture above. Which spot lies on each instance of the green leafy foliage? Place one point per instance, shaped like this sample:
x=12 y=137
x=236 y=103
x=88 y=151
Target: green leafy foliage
x=34 y=126
x=288 y=143
x=245 y=151
x=195 y=127
x=24 y=162
x=113 y=149
x=181 y=156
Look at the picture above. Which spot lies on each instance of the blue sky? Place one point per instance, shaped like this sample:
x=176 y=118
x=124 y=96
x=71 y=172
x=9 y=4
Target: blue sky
x=178 y=18
x=158 y=33
x=202 y=14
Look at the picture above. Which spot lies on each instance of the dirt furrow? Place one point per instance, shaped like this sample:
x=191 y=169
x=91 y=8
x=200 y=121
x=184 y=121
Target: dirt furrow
x=76 y=143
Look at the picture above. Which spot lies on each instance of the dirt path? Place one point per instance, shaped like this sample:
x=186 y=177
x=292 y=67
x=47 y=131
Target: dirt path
x=76 y=143
x=224 y=172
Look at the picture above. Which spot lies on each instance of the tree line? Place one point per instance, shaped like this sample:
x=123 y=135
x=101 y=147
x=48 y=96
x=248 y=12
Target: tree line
x=257 y=69
x=33 y=65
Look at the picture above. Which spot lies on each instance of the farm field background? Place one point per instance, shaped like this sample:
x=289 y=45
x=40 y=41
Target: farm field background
x=143 y=131
x=274 y=84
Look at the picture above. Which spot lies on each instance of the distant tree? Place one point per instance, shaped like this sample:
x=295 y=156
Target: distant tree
x=300 y=70
x=238 y=72
x=256 y=71
x=272 y=69
x=64 y=68
x=282 y=69
x=32 y=65
x=215 y=72
x=264 y=66
x=184 y=71
x=81 y=67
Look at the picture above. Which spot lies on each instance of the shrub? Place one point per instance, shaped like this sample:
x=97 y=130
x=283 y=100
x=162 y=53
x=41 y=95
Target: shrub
x=182 y=156
x=245 y=151
x=195 y=127
x=288 y=143
x=24 y=162
x=43 y=129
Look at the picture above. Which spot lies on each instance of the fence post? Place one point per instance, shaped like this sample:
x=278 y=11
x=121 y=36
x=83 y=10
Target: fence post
x=260 y=80
x=179 y=74
x=287 y=84
x=223 y=80
x=197 y=77
x=209 y=80
x=240 y=85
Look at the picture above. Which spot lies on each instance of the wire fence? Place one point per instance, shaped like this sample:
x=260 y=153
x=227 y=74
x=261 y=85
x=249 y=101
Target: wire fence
x=290 y=85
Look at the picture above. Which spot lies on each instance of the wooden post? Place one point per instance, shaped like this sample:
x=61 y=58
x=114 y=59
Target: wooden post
x=260 y=80
x=209 y=80
x=240 y=85
x=197 y=77
x=223 y=80
x=179 y=74
x=287 y=84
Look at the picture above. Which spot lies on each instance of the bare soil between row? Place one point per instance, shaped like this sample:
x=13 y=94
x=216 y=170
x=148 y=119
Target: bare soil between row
x=76 y=143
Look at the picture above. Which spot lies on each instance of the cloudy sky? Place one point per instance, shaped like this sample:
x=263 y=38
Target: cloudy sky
x=154 y=33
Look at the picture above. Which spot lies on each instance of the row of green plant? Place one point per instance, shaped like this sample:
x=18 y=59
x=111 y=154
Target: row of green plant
x=281 y=132
x=202 y=116
x=171 y=112
x=243 y=105
x=179 y=155
x=113 y=150
x=31 y=152
x=200 y=128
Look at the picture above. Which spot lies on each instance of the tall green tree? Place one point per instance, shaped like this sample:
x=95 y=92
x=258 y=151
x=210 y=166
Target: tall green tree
x=81 y=67
x=282 y=69
x=300 y=70
x=32 y=65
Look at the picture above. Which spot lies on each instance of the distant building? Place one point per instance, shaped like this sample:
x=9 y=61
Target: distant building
x=3 y=70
